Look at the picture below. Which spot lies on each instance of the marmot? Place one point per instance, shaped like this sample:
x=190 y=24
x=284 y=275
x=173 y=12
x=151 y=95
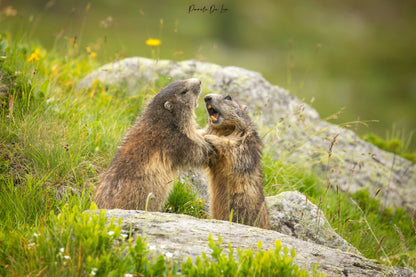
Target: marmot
x=236 y=177
x=162 y=140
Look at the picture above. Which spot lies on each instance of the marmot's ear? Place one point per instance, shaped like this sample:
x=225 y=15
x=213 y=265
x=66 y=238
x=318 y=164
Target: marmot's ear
x=168 y=106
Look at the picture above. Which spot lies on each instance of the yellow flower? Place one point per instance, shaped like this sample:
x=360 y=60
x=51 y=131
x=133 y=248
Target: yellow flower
x=34 y=56
x=153 y=42
x=91 y=53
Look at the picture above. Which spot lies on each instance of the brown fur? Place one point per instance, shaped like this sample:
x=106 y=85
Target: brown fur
x=162 y=140
x=236 y=178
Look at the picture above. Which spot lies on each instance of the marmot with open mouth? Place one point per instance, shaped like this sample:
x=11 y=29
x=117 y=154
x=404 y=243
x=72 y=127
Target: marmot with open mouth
x=236 y=177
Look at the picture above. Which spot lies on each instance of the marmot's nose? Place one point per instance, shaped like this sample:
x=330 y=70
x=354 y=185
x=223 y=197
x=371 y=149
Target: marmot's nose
x=207 y=98
x=194 y=81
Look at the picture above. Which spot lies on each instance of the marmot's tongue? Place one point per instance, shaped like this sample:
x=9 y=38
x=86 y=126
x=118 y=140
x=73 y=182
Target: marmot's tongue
x=214 y=117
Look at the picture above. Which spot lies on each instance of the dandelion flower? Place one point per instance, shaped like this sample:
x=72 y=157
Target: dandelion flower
x=153 y=42
x=34 y=56
x=93 y=54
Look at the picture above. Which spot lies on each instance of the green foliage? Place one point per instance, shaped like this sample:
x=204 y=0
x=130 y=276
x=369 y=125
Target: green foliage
x=145 y=265
x=260 y=263
x=279 y=176
x=4 y=44
x=395 y=142
x=70 y=242
x=23 y=200
x=183 y=199
x=76 y=243
x=394 y=228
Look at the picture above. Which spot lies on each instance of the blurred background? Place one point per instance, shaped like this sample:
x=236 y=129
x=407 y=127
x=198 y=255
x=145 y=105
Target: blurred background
x=358 y=57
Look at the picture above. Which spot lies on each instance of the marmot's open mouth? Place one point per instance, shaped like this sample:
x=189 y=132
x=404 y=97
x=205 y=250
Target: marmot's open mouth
x=213 y=113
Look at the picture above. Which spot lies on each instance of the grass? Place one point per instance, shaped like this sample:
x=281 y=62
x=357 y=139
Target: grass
x=382 y=233
x=183 y=199
x=73 y=243
x=55 y=140
x=396 y=142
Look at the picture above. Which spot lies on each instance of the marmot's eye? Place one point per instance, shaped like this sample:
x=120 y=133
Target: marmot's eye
x=228 y=97
x=184 y=92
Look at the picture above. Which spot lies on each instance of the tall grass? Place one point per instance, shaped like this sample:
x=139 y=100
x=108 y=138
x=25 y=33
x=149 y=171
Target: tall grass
x=395 y=141
x=184 y=199
x=378 y=232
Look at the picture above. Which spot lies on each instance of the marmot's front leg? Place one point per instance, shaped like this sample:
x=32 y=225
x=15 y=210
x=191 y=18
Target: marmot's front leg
x=222 y=146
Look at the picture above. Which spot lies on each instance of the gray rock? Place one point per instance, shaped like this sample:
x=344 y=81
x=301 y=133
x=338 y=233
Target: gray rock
x=184 y=236
x=291 y=213
x=293 y=130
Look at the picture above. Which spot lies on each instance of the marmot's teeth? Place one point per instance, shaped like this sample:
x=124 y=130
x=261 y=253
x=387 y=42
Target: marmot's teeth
x=215 y=116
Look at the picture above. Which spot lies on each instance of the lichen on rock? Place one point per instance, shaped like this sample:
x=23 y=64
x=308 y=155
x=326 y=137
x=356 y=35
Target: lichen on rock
x=291 y=213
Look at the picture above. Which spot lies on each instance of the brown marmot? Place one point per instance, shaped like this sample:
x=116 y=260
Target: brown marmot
x=161 y=141
x=236 y=177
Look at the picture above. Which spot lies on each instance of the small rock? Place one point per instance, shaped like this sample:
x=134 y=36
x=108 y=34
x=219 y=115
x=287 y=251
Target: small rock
x=291 y=213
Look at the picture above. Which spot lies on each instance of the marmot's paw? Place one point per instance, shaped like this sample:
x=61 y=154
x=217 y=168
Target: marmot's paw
x=201 y=132
x=214 y=140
